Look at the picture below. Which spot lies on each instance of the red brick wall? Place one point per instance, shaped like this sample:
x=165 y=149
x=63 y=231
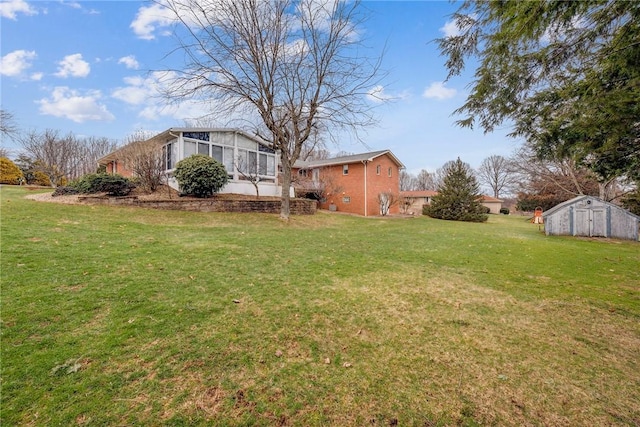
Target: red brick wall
x=119 y=168
x=353 y=186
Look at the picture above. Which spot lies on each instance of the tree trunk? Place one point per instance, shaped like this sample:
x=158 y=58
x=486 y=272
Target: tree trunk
x=286 y=188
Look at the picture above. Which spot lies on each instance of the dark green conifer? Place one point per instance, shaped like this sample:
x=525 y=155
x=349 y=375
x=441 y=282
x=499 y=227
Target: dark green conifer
x=458 y=196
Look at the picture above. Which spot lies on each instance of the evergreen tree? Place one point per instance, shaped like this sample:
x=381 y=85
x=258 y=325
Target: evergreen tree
x=458 y=196
x=564 y=73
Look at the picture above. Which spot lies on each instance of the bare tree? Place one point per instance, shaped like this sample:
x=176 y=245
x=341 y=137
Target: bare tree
x=408 y=182
x=426 y=181
x=89 y=150
x=386 y=200
x=142 y=156
x=553 y=180
x=8 y=129
x=248 y=169
x=53 y=154
x=497 y=173
x=8 y=125
x=289 y=67
x=64 y=157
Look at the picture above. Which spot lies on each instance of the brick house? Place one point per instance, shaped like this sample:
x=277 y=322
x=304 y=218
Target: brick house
x=354 y=183
x=242 y=155
x=412 y=201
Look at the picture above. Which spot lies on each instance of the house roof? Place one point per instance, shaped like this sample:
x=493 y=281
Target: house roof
x=429 y=193
x=485 y=198
x=417 y=194
x=343 y=160
x=575 y=200
x=169 y=134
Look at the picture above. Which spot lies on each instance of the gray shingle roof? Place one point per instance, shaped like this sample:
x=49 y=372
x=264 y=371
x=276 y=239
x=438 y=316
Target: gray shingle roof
x=342 y=160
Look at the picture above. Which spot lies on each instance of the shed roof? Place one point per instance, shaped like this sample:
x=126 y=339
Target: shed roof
x=577 y=199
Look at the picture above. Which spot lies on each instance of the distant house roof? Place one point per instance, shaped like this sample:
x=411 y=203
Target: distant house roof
x=429 y=193
x=485 y=198
x=343 y=160
x=416 y=194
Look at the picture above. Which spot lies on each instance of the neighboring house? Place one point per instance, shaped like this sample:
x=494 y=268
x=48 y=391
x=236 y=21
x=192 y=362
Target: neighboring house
x=353 y=184
x=590 y=216
x=413 y=201
x=242 y=155
x=494 y=205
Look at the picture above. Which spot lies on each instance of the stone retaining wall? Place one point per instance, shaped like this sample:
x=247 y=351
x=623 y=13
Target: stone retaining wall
x=297 y=206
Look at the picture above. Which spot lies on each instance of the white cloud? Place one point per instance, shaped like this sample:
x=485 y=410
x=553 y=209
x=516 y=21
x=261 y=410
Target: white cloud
x=379 y=94
x=437 y=90
x=145 y=93
x=450 y=29
x=73 y=66
x=13 y=64
x=151 y=18
x=137 y=91
x=130 y=62
x=72 y=4
x=10 y=8
x=37 y=76
x=70 y=104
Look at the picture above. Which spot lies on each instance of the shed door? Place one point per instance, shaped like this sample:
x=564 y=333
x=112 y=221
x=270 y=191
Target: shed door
x=591 y=222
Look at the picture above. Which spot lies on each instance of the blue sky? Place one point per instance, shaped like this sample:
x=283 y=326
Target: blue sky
x=84 y=67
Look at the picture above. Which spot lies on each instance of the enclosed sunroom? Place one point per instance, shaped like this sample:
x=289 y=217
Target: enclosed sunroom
x=245 y=159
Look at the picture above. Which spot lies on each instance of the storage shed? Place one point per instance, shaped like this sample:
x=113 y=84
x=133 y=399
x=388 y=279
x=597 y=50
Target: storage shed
x=592 y=217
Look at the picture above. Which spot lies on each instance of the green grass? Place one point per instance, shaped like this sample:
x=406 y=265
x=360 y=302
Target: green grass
x=123 y=316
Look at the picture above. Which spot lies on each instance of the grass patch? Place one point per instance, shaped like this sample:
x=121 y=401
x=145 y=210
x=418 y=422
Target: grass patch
x=127 y=316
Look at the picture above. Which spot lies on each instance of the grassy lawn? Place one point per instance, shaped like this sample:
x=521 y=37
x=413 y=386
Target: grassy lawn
x=123 y=316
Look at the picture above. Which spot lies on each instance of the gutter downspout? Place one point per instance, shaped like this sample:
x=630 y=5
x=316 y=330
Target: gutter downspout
x=364 y=162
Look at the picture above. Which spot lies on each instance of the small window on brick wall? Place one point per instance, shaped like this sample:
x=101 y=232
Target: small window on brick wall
x=345 y=169
x=378 y=170
x=346 y=199
x=390 y=171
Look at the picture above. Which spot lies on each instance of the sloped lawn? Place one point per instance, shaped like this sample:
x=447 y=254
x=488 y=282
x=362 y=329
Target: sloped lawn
x=124 y=316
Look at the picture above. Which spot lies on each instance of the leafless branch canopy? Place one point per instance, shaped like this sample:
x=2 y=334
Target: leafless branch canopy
x=64 y=157
x=290 y=68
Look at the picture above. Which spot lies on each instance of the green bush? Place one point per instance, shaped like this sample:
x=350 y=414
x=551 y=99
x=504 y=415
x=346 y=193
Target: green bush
x=112 y=184
x=200 y=176
x=9 y=172
x=504 y=211
x=64 y=190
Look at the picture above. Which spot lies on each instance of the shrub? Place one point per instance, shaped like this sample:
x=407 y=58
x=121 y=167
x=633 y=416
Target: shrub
x=64 y=190
x=113 y=185
x=41 y=178
x=200 y=175
x=9 y=172
x=504 y=211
